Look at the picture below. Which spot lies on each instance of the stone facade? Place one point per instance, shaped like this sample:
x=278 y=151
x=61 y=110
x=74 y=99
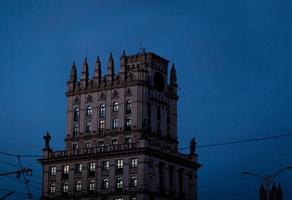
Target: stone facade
x=121 y=140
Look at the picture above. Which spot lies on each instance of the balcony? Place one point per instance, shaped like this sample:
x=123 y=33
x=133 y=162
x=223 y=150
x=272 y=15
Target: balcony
x=94 y=150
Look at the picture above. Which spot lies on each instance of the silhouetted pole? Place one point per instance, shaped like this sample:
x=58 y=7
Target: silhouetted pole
x=267 y=180
x=7 y=195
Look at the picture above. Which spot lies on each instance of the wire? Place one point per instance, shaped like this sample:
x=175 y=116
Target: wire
x=16 y=155
x=7 y=163
x=242 y=141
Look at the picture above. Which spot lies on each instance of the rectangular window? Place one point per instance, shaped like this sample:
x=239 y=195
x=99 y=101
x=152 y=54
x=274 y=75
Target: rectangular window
x=115 y=123
x=101 y=125
x=78 y=168
x=105 y=165
x=91 y=167
x=128 y=122
x=78 y=186
x=114 y=142
x=102 y=110
x=75 y=130
x=87 y=145
x=120 y=164
x=88 y=127
x=66 y=169
x=91 y=185
x=128 y=140
x=53 y=171
x=134 y=162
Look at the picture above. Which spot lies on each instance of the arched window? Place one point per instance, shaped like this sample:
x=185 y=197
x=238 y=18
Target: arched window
x=128 y=106
x=65 y=187
x=134 y=181
x=89 y=111
x=105 y=183
x=102 y=110
x=91 y=185
x=119 y=183
x=76 y=114
x=78 y=186
x=115 y=106
x=52 y=188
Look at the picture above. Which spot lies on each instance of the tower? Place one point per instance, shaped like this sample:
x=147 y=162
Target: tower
x=121 y=139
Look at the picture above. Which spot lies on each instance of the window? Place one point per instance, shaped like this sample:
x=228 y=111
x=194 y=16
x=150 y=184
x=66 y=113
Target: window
x=101 y=125
x=102 y=110
x=53 y=171
x=65 y=187
x=128 y=106
x=66 y=169
x=133 y=198
x=105 y=183
x=75 y=148
x=119 y=198
x=52 y=188
x=134 y=162
x=88 y=127
x=78 y=186
x=91 y=185
x=87 y=145
x=158 y=113
x=128 y=140
x=115 y=123
x=105 y=165
x=119 y=183
x=75 y=130
x=134 y=181
x=91 y=167
x=114 y=142
x=101 y=143
x=115 y=107
x=78 y=168
x=120 y=164
x=128 y=122
x=89 y=111
x=76 y=114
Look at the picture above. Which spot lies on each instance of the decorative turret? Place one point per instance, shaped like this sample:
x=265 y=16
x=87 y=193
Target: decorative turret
x=97 y=71
x=173 y=80
x=73 y=78
x=123 y=68
x=84 y=74
x=110 y=66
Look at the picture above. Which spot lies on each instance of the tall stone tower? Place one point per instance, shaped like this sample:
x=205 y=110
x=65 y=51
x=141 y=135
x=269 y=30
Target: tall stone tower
x=121 y=140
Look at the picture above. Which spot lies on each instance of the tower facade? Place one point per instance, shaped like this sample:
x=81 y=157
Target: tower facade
x=121 y=140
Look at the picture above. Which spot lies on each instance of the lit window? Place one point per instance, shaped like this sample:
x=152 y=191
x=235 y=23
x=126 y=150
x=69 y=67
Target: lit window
x=75 y=130
x=128 y=106
x=114 y=142
x=66 y=169
x=105 y=165
x=91 y=185
x=76 y=114
x=91 y=167
x=88 y=126
x=115 y=107
x=120 y=164
x=102 y=110
x=128 y=140
x=119 y=198
x=119 y=183
x=78 y=168
x=78 y=186
x=89 y=111
x=134 y=162
x=101 y=143
x=128 y=122
x=65 y=187
x=133 y=198
x=53 y=171
x=101 y=125
x=87 y=145
x=52 y=188
x=105 y=183
x=115 y=123
x=134 y=181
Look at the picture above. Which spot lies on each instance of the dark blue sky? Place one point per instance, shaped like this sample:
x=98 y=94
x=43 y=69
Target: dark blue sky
x=233 y=61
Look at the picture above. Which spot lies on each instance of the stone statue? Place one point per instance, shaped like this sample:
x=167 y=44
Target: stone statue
x=47 y=139
x=193 y=146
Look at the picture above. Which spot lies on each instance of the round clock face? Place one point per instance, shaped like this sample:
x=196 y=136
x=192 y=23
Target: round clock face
x=159 y=81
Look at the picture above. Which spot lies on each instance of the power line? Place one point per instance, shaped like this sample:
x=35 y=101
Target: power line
x=241 y=141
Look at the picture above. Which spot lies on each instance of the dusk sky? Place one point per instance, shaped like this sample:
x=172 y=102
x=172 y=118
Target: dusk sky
x=234 y=68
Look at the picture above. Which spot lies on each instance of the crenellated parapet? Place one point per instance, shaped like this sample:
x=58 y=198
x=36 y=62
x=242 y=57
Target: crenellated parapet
x=134 y=69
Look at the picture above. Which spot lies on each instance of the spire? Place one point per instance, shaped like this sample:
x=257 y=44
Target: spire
x=262 y=193
x=73 y=74
x=173 y=80
x=123 y=61
x=84 y=72
x=110 y=66
x=97 y=69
